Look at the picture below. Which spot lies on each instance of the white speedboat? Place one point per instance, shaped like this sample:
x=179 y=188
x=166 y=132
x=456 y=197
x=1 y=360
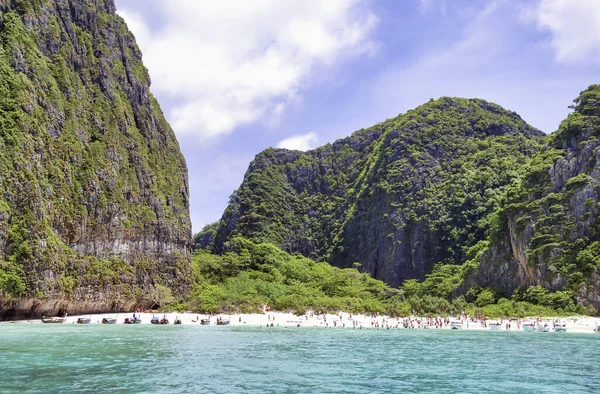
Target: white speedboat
x=455 y=325
x=543 y=327
x=495 y=326
x=529 y=326
x=560 y=327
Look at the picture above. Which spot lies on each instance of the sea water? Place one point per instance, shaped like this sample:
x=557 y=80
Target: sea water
x=58 y=358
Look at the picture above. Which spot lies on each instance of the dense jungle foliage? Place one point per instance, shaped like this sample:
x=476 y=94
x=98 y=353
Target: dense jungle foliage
x=251 y=276
x=458 y=200
x=549 y=216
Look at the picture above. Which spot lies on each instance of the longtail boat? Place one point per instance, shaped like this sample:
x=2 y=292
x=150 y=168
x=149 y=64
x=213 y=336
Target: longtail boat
x=54 y=319
x=132 y=320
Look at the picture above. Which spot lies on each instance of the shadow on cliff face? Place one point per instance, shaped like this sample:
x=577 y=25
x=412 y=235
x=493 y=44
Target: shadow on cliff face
x=27 y=308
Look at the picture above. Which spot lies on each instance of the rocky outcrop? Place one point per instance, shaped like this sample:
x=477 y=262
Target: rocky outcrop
x=34 y=308
x=549 y=220
x=298 y=200
x=393 y=199
x=90 y=172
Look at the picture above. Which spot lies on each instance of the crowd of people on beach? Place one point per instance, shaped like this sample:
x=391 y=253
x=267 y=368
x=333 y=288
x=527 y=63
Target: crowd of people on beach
x=343 y=320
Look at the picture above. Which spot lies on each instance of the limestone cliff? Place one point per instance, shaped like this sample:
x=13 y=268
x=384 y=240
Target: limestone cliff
x=548 y=230
x=393 y=199
x=94 y=205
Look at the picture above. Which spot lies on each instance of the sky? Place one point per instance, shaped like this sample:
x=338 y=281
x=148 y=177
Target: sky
x=237 y=77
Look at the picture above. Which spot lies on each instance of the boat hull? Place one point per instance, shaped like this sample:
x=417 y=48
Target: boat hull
x=543 y=328
x=54 y=320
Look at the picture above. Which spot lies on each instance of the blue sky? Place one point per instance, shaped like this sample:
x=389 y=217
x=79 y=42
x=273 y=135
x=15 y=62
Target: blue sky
x=237 y=77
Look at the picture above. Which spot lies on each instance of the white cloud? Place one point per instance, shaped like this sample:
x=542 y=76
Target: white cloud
x=574 y=26
x=301 y=142
x=226 y=63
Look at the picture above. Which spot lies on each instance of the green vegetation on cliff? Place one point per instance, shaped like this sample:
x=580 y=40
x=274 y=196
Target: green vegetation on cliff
x=254 y=275
x=455 y=197
x=93 y=187
x=459 y=201
x=550 y=216
x=397 y=198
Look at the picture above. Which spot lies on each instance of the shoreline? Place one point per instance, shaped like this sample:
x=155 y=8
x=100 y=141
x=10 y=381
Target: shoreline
x=342 y=320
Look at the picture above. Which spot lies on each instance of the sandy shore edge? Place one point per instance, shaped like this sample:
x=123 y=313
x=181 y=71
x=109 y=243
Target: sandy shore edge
x=341 y=320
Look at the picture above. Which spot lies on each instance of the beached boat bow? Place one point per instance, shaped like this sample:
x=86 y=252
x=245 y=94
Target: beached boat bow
x=560 y=327
x=456 y=325
x=54 y=319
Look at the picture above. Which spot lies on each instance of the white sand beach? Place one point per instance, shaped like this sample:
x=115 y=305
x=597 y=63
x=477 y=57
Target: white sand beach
x=343 y=320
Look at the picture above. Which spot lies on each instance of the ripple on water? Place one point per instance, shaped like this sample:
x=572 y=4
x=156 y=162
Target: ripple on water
x=194 y=359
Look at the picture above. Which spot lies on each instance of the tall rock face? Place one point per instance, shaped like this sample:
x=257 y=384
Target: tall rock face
x=94 y=199
x=298 y=200
x=548 y=230
x=395 y=198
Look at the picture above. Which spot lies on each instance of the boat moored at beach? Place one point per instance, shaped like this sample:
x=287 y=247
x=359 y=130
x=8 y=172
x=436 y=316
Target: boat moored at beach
x=54 y=319
x=529 y=326
x=205 y=322
x=109 y=320
x=495 y=326
x=155 y=320
x=84 y=320
x=455 y=325
x=560 y=327
x=132 y=320
x=543 y=327
x=222 y=322
x=177 y=321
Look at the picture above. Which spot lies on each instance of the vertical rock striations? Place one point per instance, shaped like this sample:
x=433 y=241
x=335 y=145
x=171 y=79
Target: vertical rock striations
x=94 y=205
x=548 y=230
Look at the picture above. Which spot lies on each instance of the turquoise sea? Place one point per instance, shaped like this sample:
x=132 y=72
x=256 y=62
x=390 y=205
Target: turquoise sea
x=40 y=358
